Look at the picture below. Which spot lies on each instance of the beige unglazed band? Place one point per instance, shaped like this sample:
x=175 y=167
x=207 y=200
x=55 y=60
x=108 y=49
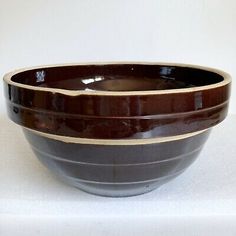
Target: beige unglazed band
x=67 y=139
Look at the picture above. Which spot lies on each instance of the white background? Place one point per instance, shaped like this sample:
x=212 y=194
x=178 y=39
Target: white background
x=35 y=32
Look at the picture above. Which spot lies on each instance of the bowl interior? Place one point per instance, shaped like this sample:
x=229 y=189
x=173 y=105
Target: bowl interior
x=117 y=77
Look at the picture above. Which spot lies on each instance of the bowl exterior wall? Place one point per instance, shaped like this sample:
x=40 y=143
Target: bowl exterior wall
x=116 y=170
x=123 y=161
x=117 y=117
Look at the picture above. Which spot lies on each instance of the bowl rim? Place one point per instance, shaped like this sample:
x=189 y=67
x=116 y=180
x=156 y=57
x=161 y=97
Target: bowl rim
x=226 y=79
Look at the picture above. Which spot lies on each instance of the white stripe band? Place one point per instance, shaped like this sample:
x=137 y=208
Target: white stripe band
x=68 y=139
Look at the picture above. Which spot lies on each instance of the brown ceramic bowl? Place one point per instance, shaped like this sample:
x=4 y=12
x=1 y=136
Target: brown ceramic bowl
x=117 y=129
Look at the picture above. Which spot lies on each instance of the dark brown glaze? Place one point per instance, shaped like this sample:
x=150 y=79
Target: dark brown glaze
x=117 y=128
x=117 y=116
x=116 y=170
x=117 y=106
x=115 y=154
x=117 y=101
x=117 y=77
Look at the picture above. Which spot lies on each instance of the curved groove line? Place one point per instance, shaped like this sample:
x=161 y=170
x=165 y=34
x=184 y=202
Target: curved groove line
x=158 y=116
x=99 y=164
x=121 y=183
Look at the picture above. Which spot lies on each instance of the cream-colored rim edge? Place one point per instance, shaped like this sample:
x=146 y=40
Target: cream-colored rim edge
x=227 y=80
x=66 y=139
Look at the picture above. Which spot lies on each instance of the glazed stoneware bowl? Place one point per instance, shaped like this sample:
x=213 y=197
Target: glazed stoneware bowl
x=117 y=129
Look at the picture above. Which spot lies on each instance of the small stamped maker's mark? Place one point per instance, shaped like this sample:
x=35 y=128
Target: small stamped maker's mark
x=40 y=76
